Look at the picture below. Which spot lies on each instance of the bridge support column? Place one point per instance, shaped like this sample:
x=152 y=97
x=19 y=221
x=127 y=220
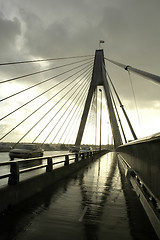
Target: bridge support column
x=99 y=79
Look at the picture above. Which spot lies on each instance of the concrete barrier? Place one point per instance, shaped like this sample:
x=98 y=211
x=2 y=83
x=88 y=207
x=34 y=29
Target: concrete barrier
x=143 y=156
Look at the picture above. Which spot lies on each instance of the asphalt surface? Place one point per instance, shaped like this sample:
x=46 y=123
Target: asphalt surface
x=92 y=204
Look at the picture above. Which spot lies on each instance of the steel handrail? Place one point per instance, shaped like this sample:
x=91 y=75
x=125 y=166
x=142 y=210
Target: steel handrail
x=15 y=164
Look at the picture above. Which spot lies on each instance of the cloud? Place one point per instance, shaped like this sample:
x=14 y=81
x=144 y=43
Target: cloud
x=10 y=31
x=61 y=37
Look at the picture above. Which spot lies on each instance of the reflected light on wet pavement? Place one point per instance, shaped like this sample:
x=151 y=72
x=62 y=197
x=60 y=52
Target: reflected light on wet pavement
x=90 y=206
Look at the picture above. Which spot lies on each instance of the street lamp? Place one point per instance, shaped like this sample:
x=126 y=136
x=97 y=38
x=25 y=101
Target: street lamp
x=100 y=119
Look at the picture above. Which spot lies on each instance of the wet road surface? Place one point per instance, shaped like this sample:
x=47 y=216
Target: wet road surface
x=90 y=205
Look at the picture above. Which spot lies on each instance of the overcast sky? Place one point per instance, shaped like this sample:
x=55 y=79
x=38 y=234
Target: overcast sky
x=31 y=29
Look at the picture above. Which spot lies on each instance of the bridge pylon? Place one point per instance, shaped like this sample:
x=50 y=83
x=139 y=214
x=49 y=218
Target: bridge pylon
x=99 y=79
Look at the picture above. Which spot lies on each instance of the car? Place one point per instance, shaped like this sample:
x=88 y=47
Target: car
x=26 y=151
x=74 y=149
x=85 y=149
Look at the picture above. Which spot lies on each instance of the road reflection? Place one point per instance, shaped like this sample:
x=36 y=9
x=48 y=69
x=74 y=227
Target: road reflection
x=88 y=205
x=95 y=188
x=71 y=209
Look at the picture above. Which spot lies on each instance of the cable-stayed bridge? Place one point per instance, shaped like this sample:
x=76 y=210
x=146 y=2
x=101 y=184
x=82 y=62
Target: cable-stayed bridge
x=65 y=104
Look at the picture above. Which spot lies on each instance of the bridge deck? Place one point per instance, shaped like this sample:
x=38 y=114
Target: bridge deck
x=89 y=205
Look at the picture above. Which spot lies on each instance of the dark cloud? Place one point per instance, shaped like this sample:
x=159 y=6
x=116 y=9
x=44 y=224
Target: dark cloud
x=133 y=30
x=10 y=31
x=61 y=37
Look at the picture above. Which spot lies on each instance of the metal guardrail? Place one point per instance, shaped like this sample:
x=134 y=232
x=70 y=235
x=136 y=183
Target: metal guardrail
x=15 y=171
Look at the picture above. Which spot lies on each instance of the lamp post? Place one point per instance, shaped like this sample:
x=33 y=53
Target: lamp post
x=100 y=119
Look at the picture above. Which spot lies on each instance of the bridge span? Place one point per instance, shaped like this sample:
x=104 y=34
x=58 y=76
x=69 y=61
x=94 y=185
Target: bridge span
x=93 y=203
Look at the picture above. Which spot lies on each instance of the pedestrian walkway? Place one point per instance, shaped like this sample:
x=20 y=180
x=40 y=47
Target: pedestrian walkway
x=88 y=206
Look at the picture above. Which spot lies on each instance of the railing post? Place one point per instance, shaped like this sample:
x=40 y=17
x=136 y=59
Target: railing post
x=66 y=163
x=14 y=177
x=76 y=157
x=82 y=156
x=92 y=155
x=49 y=167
